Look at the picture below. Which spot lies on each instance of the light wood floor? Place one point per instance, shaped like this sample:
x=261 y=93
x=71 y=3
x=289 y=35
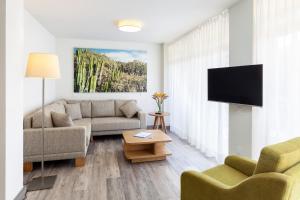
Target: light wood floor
x=108 y=176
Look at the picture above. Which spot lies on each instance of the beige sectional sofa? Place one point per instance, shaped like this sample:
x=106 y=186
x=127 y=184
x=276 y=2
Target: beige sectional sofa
x=99 y=117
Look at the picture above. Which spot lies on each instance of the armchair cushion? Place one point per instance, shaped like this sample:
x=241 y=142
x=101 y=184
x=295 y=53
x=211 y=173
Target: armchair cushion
x=226 y=175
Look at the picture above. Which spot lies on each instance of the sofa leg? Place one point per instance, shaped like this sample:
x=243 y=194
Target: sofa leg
x=92 y=139
x=27 y=167
x=79 y=162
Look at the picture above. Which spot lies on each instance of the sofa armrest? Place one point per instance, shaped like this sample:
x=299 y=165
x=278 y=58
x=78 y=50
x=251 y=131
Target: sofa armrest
x=143 y=119
x=57 y=140
x=242 y=164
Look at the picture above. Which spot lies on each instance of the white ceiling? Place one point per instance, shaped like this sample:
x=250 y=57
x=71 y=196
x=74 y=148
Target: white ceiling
x=164 y=20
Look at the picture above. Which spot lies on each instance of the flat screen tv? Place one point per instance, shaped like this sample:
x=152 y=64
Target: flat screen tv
x=241 y=85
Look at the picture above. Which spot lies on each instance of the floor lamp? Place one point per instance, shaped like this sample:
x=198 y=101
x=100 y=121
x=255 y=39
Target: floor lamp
x=45 y=66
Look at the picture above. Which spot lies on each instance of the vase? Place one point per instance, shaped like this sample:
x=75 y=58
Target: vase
x=159 y=108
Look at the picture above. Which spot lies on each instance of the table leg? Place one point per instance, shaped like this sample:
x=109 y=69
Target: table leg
x=155 y=121
x=163 y=124
x=159 y=149
x=158 y=123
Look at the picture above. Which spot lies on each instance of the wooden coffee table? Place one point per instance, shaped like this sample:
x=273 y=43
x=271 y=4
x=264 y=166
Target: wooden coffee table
x=151 y=148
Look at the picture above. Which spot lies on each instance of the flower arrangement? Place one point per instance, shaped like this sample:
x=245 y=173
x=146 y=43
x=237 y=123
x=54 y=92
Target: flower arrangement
x=159 y=97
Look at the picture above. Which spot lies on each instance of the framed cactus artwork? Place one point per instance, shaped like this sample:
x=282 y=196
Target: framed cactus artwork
x=109 y=70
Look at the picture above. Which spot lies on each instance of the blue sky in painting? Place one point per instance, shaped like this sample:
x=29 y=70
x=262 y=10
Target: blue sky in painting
x=121 y=55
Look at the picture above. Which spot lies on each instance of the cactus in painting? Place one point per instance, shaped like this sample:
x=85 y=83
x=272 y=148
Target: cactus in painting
x=95 y=72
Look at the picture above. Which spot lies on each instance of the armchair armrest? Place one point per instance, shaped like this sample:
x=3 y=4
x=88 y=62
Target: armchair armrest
x=242 y=164
x=198 y=186
x=57 y=140
x=270 y=186
x=143 y=119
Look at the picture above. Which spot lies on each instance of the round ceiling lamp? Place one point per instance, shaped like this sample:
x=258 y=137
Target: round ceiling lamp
x=130 y=25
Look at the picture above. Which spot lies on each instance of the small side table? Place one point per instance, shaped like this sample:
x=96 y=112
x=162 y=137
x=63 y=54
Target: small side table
x=159 y=120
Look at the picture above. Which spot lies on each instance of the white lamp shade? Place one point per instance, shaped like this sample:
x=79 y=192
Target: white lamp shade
x=43 y=65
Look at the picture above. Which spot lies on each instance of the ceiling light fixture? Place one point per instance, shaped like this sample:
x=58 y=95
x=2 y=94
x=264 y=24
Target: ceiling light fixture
x=130 y=25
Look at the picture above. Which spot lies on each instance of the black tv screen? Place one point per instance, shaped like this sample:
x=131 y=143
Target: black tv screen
x=241 y=84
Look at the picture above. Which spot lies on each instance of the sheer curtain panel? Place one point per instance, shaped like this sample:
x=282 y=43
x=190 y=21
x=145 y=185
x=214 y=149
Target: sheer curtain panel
x=277 y=46
x=202 y=123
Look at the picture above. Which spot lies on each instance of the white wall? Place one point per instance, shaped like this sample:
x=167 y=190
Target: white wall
x=37 y=39
x=154 y=71
x=241 y=24
x=166 y=81
x=13 y=95
x=241 y=53
x=2 y=99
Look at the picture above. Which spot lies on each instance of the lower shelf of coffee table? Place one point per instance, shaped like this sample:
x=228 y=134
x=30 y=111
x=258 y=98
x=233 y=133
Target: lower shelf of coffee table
x=146 y=155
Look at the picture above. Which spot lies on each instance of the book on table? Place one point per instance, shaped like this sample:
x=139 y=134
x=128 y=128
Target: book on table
x=143 y=134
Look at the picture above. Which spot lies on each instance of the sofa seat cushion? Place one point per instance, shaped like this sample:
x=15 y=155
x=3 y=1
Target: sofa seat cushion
x=87 y=123
x=226 y=175
x=114 y=123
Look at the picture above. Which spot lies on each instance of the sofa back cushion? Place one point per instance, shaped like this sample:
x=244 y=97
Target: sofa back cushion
x=60 y=101
x=37 y=116
x=279 y=157
x=85 y=107
x=73 y=110
x=103 y=108
x=118 y=104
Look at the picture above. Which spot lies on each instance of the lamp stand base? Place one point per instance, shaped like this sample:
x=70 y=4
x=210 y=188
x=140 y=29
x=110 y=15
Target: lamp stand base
x=41 y=183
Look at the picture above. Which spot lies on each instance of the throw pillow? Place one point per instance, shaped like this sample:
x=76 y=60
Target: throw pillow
x=61 y=119
x=118 y=104
x=130 y=109
x=74 y=111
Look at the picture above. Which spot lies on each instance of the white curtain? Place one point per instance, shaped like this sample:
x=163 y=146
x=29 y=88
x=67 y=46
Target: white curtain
x=277 y=46
x=202 y=123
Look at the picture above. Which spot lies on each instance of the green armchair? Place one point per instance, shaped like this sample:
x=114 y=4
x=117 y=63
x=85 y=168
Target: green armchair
x=276 y=176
